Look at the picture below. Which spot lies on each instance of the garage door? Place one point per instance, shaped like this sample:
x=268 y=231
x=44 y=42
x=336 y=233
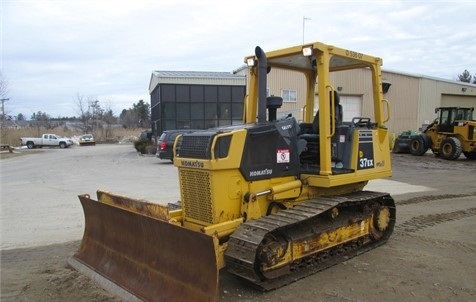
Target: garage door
x=352 y=106
x=458 y=101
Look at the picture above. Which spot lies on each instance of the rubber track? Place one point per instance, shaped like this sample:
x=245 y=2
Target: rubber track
x=245 y=241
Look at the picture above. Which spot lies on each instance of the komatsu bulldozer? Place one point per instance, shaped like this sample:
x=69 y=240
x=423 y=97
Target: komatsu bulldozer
x=271 y=200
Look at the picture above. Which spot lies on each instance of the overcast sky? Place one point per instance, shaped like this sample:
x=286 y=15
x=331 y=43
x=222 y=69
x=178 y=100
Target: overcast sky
x=53 y=51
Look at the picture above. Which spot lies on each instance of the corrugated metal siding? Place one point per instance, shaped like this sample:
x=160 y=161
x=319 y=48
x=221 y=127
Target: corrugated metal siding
x=279 y=79
x=437 y=93
x=351 y=107
x=355 y=83
x=195 y=78
x=430 y=98
x=203 y=81
x=450 y=100
x=403 y=95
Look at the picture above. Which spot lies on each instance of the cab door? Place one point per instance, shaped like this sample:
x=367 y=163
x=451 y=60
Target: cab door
x=445 y=123
x=50 y=140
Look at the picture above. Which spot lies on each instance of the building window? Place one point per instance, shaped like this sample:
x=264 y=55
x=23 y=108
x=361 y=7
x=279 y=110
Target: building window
x=183 y=111
x=237 y=111
x=197 y=106
x=211 y=93
x=197 y=93
x=237 y=93
x=197 y=112
x=182 y=93
x=289 y=95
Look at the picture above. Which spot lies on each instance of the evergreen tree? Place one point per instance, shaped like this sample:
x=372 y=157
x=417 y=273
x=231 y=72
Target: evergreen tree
x=465 y=77
x=137 y=116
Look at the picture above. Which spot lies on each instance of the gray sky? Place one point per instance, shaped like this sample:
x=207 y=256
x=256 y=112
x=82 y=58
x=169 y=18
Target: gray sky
x=53 y=51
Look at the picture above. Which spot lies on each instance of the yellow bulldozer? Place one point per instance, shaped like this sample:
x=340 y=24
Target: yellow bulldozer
x=271 y=200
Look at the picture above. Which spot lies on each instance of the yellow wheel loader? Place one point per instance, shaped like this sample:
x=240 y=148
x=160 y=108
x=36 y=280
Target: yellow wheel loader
x=453 y=132
x=271 y=200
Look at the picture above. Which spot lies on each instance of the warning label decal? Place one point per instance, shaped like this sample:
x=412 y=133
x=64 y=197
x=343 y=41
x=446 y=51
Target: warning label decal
x=282 y=156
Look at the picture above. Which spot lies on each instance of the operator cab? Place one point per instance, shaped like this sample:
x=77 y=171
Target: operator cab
x=341 y=141
x=449 y=116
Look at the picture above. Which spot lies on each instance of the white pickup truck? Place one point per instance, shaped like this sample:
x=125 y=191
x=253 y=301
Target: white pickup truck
x=46 y=140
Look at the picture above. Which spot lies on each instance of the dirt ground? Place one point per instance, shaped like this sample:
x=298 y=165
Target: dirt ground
x=430 y=256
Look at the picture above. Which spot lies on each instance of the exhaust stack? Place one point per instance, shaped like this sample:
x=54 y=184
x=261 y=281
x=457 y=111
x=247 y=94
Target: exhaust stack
x=262 y=85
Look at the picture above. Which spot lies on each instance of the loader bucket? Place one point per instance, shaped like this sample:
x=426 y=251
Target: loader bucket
x=142 y=255
x=402 y=145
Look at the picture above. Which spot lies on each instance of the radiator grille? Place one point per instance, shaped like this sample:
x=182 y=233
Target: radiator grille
x=196 y=195
x=195 y=146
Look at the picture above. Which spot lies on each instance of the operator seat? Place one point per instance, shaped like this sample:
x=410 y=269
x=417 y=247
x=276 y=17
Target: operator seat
x=338 y=112
x=310 y=134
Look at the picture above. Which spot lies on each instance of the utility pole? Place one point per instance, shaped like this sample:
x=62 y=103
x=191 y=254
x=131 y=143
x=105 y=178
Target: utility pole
x=96 y=106
x=304 y=19
x=3 y=108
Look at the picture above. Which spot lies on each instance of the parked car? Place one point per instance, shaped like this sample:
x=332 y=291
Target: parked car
x=87 y=140
x=145 y=143
x=146 y=135
x=166 y=141
x=46 y=140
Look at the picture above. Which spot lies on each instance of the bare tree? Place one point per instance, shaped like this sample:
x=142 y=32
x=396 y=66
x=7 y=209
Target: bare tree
x=3 y=86
x=128 y=118
x=109 y=120
x=41 y=120
x=82 y=109
x=96 y=114
x=90 y=112
x=3 y=95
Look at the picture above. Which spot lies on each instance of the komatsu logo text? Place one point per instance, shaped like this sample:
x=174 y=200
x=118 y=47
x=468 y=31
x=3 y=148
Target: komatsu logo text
x=192 y=164
x=261 y=172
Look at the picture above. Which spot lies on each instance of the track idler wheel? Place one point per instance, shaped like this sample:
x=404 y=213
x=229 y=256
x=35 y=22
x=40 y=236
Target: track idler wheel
x=381 y=221
x=272 y=252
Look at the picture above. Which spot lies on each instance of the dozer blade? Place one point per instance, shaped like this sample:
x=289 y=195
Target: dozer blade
x=147 y=256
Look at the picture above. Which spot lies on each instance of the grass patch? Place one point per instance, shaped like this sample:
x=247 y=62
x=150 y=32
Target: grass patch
x=11 y=136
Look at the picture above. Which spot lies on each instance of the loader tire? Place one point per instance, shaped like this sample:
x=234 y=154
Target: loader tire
x=470 y=155
x=418 y=145
x=450 y=148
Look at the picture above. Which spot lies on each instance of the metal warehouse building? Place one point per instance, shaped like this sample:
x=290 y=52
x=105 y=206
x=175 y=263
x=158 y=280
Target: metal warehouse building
x=413 y=98
x=195 y=99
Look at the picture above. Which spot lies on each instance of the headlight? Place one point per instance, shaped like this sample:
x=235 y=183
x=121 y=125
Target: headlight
x=250 y=61
x=307 y=51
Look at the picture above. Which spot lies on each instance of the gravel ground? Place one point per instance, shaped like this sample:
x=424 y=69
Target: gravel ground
x=430 y=256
